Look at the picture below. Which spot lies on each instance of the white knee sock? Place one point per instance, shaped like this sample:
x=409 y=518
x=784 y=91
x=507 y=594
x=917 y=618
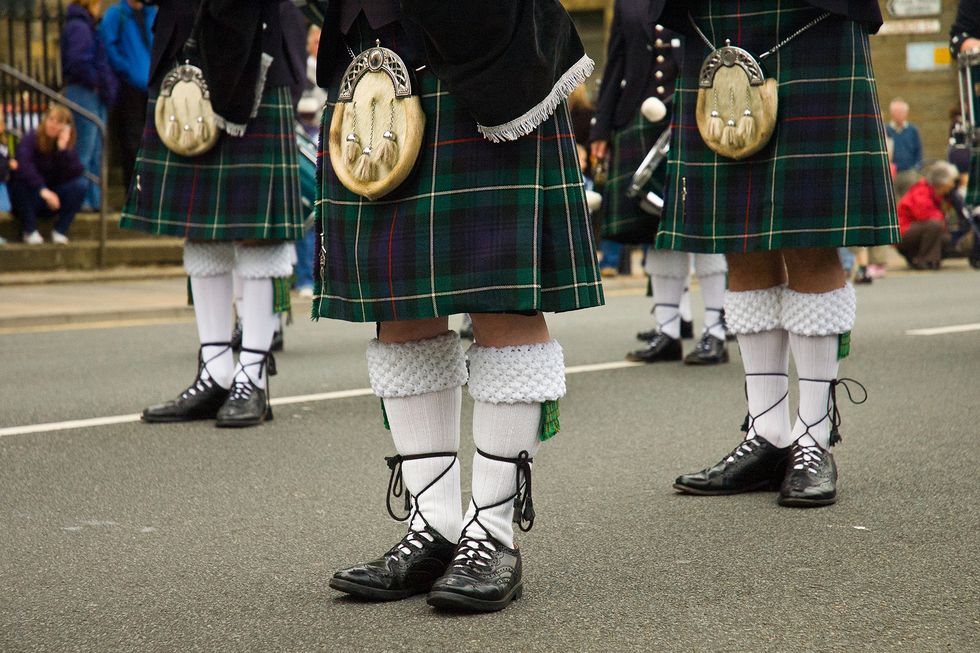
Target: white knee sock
x=667 y=293
x=685 y=308
x=258 y=326
x=212 y=310
x=669 y=273
x=502 y=430
x=755 y=316
x=713 y=294
x=420 y=383
x=815 y=322
x=765 y=357
x=509 y=385
x=429 y=423
x=816 y=359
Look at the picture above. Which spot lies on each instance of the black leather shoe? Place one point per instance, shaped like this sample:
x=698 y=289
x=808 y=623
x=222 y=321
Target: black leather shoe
x=201 y=400
x=247 y=405
x=485 y=576
x=811 y=478
x=709 y=351
x=661 y=348
x=409 y=568
x=753 y=465
x=687 y=332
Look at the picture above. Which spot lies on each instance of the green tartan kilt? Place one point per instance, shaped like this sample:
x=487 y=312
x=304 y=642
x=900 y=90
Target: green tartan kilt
x=478 y=227
x=244 y=188
x=624 y=221
x=973 y=185
x=823 y=179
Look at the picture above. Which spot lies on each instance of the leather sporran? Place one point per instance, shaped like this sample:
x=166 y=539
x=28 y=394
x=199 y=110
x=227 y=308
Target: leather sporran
x=183 y=117
x=378 y=125
x=737 y=105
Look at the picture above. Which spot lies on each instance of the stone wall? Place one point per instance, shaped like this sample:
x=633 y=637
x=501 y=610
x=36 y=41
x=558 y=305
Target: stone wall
x=930 y=94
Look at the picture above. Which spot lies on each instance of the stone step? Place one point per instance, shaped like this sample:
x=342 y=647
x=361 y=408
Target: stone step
x=85 y=226
x=84 y=254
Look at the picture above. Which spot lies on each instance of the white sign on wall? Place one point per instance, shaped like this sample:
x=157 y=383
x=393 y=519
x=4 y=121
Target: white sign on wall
x=911 y=26
x=907 y=8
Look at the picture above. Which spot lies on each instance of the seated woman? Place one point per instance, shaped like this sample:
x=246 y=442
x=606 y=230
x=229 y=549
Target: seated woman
x=49 y=178
x=922 y=217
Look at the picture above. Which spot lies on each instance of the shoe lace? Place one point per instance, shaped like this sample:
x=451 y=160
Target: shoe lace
x=833 y=413
x=396 y=483
x=242 y=389
x=473 y=553
x=704 y=344
x=744 y=448
x=412 y=539
x=200 y=383
x=807 y=458
x=748 y=425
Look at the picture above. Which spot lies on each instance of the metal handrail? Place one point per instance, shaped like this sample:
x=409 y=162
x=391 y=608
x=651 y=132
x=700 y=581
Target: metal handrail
x=103 y=131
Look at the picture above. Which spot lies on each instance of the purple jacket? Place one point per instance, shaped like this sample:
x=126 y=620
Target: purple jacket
x=83 y=58
x=38 y=170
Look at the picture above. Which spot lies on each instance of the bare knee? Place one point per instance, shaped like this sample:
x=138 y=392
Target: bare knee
x=755 y=270
x=814 y=270
x=410 y=330
x=506 y=329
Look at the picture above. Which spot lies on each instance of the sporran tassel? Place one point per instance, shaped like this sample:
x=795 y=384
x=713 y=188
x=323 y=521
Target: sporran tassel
x=746 y=127
x=352 y=149
x=187 y=137
x=201 y=130
x=365 y=169
x=715 y=127
x=387 y=151
x=173 y=129
x=729 y=136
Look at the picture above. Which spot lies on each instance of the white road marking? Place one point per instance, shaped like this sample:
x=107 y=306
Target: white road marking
x=939 y=331
x=278 y=401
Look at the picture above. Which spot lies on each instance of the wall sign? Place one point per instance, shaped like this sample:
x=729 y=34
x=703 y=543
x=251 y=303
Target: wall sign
x=908 y=8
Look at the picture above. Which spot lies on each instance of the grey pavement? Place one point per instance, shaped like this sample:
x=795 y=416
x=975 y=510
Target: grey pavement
x=130 y=537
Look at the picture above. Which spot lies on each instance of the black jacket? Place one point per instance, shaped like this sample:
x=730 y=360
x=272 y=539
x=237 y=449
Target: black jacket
x=966 y=25
x=861 y=11
x=642 y=61
x=173 y=25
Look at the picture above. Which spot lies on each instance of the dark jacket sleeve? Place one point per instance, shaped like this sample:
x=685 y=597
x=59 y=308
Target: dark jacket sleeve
x=966 y=25
x=78 y=54
x=609 y=91
x=27 y=171
x=68 y=163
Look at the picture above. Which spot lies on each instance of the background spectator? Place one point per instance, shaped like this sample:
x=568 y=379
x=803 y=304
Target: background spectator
x=922 y=217
x=89 y=82
x=8 y=161
x=126 y=31
x=907 y=144
x=49 y=179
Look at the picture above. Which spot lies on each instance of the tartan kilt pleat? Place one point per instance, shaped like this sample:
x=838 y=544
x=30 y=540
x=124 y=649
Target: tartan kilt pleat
x=823 y=179
x=973 y=185
x=477 y=227
x=244 y=188
x=623 y=219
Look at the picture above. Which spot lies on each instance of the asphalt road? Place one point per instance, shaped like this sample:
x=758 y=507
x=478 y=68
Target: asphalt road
x=130 y=537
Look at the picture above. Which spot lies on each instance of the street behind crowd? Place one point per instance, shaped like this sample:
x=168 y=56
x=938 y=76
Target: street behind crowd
x=132 y=537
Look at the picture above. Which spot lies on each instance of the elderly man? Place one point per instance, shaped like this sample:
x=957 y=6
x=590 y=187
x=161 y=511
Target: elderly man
x=907 y=146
